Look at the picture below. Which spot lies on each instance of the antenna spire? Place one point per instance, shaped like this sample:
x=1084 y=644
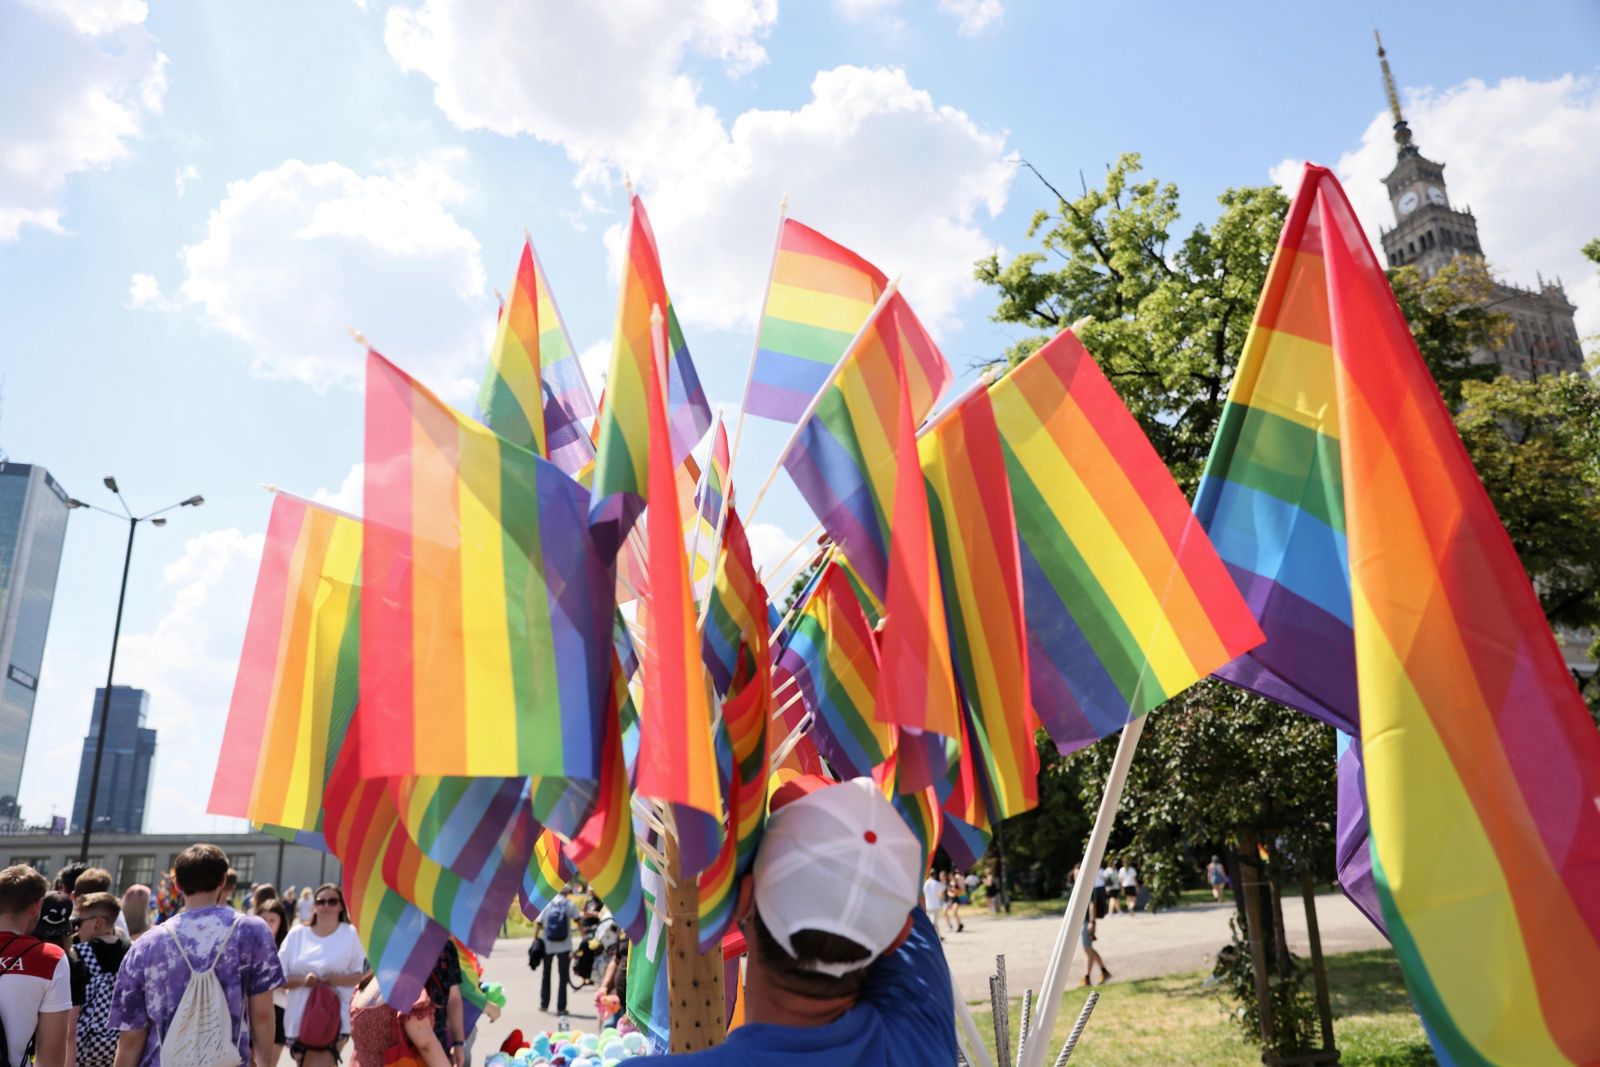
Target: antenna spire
x=1402 y=132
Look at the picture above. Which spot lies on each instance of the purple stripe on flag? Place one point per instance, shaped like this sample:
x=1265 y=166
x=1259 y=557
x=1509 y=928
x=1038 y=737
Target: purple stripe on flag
x=787 y=374
x=1304 y=643
x=1352 y=849
x=835 y=486
x=777 y=403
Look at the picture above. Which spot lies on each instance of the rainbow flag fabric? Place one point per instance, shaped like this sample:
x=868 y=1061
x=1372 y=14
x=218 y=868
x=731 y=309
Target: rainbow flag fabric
x=843 y=456
x=821 y=293
x=975 y=536
x=459 y=822
x=295 y=685
x=533 y=393
x=712 y=491
x=737 y=631
x=483 y=591
x=549 y=869
x=828 y=659
x=1125 y=599
x=677 y=761
x=621 y=472
x=1481 y=763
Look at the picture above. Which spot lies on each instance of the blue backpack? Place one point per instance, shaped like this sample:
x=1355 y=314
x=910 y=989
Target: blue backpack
x=558 y=920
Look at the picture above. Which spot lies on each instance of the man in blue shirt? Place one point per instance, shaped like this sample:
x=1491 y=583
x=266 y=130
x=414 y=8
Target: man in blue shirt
x=844 y=968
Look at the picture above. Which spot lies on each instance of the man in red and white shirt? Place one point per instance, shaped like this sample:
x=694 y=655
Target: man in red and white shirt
x=35 y=978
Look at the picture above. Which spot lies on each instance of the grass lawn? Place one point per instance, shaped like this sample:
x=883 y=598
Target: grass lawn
x=1179 y=1020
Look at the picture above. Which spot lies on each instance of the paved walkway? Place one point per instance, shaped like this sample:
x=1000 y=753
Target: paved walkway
x=1141 y=945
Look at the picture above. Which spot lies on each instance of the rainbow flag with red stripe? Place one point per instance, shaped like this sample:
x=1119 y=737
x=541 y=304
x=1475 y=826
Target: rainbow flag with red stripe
x=737 y=653
x=482 y=591
x=677 y=760
x=622 y=471
x=533 y=393
x=820 y=295
x=295 y=685
x=975 y=535
x=1481 y=763
x=1126 y=601
x=549 y=870
x=843 y=456
x=710 y=494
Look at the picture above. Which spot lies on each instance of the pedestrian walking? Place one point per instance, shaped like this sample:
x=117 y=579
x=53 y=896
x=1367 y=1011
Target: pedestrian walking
x=1216 y=877
x=306 y=907
x=1092 y=959
x=276 y=915
x=100 y=950
x=200 y=982
x=383 y=1037
x=1128 y=879
x=35 y=978
x=55 y=927
x=556 y=922
x=443 y=989
x=320 y=956
x=1108 y=878
x=133 y=919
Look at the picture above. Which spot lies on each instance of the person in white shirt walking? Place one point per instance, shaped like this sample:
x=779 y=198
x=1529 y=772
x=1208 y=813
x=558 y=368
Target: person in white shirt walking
x=1128 y=878
x=35 y=977
x=328 y=952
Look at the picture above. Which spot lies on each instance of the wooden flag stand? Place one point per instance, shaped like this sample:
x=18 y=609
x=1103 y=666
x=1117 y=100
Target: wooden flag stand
x=694 y=980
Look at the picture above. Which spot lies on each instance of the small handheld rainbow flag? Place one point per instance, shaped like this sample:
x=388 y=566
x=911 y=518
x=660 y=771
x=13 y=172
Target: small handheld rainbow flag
x=821 y=293
x=1126 y=601
x=482 y=591
x=621 y=472
x=1481 y=764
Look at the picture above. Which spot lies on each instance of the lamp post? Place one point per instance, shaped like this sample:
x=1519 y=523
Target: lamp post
x=116 y=632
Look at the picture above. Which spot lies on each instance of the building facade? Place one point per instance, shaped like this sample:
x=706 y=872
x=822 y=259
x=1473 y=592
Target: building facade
x=33 y=527
x=1430 y=231
x=140 y=859
x=124 y=793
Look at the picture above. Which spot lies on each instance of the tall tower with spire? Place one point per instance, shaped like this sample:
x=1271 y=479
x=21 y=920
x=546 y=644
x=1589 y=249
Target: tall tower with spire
x=1429 y=232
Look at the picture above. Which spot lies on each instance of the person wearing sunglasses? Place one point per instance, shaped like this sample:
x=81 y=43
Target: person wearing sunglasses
x=324 y=951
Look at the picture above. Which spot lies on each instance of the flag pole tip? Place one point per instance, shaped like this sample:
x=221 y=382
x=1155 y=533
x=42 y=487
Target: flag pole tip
x=656 y=318
x=783 y=204
x=1081 y=323
x=527 y=238
x=269 y=487
x=627 y=183
x=359 y=337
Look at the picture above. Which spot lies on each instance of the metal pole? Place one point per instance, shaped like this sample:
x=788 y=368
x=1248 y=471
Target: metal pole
x=105 y=705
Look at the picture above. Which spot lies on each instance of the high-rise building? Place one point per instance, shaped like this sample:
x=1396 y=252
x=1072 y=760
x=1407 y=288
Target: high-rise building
x=33 y=526
x=124 y=793
x=1429 y=232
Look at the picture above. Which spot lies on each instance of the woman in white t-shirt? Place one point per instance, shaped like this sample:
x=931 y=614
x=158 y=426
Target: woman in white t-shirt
x=1108 y=877
x=324 y=951
x=304 y=908
x=1128 y=878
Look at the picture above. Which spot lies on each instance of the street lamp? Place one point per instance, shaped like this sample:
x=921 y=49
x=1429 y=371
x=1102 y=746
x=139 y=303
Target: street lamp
x=116 y=632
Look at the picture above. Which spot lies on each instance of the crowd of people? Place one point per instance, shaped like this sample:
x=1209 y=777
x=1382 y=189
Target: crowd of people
x=86 y=979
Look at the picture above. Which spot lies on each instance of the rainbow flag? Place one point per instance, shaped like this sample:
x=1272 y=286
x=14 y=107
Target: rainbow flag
x=549 y=869
x=736 y=650
x=821 y=293
x=533 y=393
x=482 y=590
x=603 y=848
x=473 y=998
x=677 y=760
x=975 y=537
x=843 y=456
x=1481 y=763
x=621 y=472
x=649 y=1000
x=295 y=683
x=828 y=659
x=459 y=822
x=709 y=497
x=1125 y=599
x=916 y=681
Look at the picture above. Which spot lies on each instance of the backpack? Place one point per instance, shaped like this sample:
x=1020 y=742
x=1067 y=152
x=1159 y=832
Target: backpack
x=558 y=921
x=5 y=1043
x=97 y=1041
x=201 y=1031
x=321 y=1021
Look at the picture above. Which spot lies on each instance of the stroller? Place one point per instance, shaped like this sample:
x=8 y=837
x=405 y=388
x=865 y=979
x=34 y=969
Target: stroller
x=591 y=948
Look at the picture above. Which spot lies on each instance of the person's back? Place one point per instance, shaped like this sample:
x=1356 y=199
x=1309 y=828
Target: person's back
x=206 y=938
x=844 y=968
x=35 y=978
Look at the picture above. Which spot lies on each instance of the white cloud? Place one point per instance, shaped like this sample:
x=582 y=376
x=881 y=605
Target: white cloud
x=145 y=292
x=856 y=10
x=346 y=498
x=80 y=79
x=295 y=255
x=183 y=176
x=975 y=15
x=1523 y=155
x=769 y=544
x=869 y=158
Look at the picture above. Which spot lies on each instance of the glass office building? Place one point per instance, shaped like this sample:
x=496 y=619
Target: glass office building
x=33 y=525
x=124 y=793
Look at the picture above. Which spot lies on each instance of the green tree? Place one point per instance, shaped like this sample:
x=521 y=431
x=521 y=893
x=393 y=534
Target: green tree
x=1168 y=314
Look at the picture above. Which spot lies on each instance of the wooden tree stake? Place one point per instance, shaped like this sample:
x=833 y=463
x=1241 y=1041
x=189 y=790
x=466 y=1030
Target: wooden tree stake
x=694 y=981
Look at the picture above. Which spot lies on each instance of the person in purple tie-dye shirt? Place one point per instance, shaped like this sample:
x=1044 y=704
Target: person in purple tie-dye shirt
x=156 y=971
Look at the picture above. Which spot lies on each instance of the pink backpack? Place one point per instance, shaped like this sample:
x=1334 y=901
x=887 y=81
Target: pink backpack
x=321 y=1021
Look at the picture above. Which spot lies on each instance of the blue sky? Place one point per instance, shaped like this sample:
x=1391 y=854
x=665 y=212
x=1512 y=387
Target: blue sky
x=197 y=198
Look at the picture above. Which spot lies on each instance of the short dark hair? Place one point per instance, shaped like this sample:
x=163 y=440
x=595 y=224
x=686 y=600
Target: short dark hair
x=200 y=868
x=102 y=904
x=67 y=877
x=92 y=880
x=790 y=973
x=274 y=906
x=21 y=887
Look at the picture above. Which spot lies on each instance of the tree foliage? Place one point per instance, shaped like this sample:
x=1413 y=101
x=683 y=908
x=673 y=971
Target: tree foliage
x=1448 y=319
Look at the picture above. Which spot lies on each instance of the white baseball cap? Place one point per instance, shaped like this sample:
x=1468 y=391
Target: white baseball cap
x=840 y=860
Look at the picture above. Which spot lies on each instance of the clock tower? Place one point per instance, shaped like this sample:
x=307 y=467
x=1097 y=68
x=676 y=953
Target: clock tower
x=1428 y=232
